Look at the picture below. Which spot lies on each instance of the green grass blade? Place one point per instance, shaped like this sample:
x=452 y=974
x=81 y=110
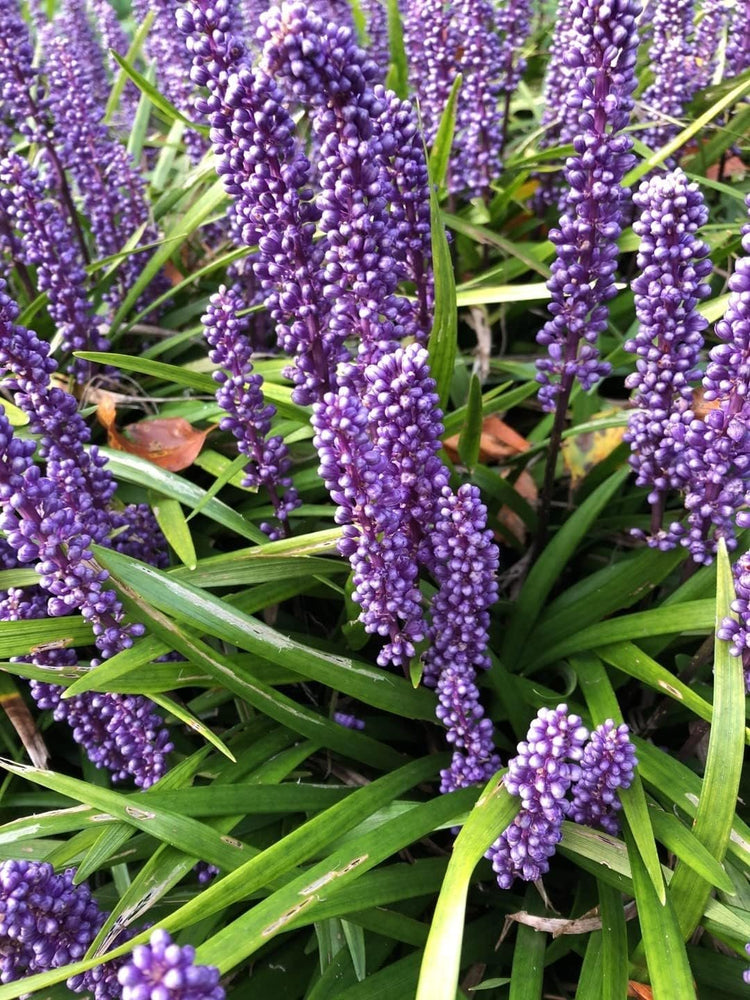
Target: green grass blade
x=494 y=810
x=174 y=526
x=688 y=891
x=133 y=469
x=204 y=611
x=692 y=617
x=668 y=967
x=547 y=569
x=614 y=947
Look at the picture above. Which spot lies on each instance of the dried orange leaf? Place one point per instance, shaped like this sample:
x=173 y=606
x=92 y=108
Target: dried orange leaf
x=497 y=441
x=171 y=443
x=641 y=991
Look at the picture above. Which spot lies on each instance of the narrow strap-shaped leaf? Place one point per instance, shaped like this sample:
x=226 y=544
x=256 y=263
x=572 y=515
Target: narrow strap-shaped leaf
x=208 y=613
x=548 y=567
x=527 y=971
x=688 y=891
x=494 y=810
x=668 y=967
x=614 y=950
x=691 y=617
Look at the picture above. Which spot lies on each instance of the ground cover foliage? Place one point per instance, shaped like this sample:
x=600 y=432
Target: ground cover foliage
x=374 y=479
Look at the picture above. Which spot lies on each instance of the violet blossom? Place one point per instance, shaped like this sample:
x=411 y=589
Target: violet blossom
x=608 y=763
x=714 y=453
x=582 y=281
x=248 y=416
x=162 y=970
x=558 y=756
x=673 y=264
x=47 y=921
x=671 y=56
x=541 y=774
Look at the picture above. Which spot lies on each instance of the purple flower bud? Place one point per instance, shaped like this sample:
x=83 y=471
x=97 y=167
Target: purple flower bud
x=608 y=763
x=162 y=970
x=605 y=39
x=673 y=265
x=546 y=765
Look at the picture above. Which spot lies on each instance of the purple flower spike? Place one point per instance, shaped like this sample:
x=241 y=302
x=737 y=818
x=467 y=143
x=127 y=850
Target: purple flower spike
x=240 y=394
x=673 y=264
x=582 y=281
x=465 y=560
x=608 y=763
x=671 y=55
x=715 y=453
x=541 y=774
x=162 y=970
x=45 y=920
x=746 y=973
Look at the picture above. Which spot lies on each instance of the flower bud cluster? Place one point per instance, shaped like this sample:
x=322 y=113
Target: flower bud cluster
x=673 y=266
x=582 y=282
x=162 y=970
x=715 y=452
x=46 y=242
x=113 y=193
x=672 y=57
x=50 y=522
x=555 y=758
x=47 y=921
x=240 y=395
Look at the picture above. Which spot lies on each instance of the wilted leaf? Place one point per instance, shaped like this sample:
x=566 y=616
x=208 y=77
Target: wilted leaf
x=170 y=443
x=498 y=441
x=733 y=166
x=23 y=722
x=641 y=991
x=582 y=452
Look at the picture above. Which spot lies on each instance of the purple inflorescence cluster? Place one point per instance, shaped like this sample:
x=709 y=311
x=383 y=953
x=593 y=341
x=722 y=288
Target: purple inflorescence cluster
x=45 y=240
x=464 y=563
x=671 y=55
x=324 y=69
x=162 y=970
x=737 y=55
x=746 y=973
x=673 y=266
x=50 y=522
x=164 y=47
x=376 y=416
x=112 y=192
x=45 y=920
x=608 y=763
x=555 y=758
x=737 y=630
x=582 y=281
x=18 y=78
x=708 y=39
x=481 y=41
x=715 y=451
x=240 y=394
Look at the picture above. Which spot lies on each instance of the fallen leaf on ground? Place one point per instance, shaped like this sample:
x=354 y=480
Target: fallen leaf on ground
x=171 y=442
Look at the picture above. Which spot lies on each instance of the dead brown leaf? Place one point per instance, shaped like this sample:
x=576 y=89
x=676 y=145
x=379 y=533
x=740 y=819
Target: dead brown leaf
x=171 y=443
x=498 y=441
